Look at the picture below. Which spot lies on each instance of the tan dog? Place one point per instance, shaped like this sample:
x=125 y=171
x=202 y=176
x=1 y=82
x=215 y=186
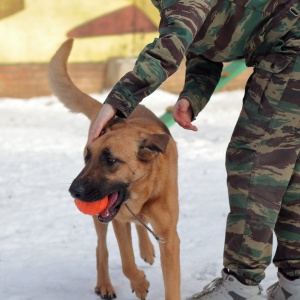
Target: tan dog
x=133 y=162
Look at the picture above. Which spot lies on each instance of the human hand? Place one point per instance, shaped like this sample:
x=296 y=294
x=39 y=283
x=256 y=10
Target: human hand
x=182 y=114
x=106 y=113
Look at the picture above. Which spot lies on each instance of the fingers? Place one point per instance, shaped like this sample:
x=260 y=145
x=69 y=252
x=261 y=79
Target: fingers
x=182 y=113
x=95 y=132
x=188 y=126
x=106 y=113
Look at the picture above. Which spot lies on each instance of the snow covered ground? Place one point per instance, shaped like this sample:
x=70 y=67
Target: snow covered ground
x=47 y=247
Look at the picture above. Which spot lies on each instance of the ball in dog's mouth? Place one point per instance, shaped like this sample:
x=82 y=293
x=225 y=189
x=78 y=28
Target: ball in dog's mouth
x=115 y=200
x=92 y=208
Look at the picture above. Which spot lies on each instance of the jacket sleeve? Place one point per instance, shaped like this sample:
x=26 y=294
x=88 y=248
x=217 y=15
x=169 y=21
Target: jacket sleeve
x=180 y=21
x=201 y=79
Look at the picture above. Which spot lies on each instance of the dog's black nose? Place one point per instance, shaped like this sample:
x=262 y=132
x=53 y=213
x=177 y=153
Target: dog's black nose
x=83 y=190
x=77 y=190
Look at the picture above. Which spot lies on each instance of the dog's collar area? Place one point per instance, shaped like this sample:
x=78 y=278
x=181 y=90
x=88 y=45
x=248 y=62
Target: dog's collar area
x=159 y=239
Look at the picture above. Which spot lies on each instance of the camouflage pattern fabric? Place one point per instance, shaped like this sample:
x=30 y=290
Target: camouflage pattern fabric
x=262 y=169
x=207 y=32
x=262 y=160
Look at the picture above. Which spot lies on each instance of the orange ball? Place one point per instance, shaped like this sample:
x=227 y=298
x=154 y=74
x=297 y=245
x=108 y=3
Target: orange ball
x=92 y=208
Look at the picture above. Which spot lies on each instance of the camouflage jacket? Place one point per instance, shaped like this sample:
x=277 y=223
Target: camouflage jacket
x=208 y=33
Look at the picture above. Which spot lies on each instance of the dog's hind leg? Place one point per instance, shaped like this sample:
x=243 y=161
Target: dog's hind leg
x=104 y=287
x=138 y=282
x=147 y=252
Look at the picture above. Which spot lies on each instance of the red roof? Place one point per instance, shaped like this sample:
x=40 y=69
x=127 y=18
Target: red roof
x=127 y=20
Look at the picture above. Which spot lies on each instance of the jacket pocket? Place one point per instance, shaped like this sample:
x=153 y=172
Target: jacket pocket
x=270 y=76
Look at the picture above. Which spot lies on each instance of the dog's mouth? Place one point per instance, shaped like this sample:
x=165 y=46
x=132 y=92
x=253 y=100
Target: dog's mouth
x=115 y=200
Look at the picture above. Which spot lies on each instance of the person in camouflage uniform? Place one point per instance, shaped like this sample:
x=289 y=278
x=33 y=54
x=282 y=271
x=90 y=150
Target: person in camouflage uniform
x=262 y=159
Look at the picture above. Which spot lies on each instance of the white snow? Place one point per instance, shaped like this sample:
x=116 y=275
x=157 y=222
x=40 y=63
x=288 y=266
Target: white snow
x=47 y=247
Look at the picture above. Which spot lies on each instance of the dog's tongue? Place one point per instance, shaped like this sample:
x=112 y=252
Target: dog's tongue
x=112 y=198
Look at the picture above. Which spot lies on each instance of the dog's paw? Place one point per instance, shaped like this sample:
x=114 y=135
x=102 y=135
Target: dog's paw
x=147 y=253
x=140 y=287
x=149 y=259
x=106 y=292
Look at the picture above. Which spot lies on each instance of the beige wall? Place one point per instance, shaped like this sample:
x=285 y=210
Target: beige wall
x=32 y=30
x=32 y=34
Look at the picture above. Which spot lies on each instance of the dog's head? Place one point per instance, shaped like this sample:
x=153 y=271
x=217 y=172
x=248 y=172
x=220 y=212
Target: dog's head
x=115 y=164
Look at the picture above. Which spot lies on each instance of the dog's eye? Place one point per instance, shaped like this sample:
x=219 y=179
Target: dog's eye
x=110 y=161
x=108 y=158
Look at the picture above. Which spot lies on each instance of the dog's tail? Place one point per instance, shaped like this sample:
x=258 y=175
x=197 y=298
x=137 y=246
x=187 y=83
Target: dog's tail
x=63 y=87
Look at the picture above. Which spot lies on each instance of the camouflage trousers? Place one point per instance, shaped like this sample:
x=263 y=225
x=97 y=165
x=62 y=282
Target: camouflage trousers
x=263 y=168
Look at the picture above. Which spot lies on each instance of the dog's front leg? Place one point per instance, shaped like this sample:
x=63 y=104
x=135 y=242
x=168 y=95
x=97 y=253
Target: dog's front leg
x=169 y=255
x=104 y=287
x=138 y=282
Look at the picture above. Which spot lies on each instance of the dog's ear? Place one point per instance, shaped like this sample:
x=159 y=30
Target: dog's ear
x=151 y=145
